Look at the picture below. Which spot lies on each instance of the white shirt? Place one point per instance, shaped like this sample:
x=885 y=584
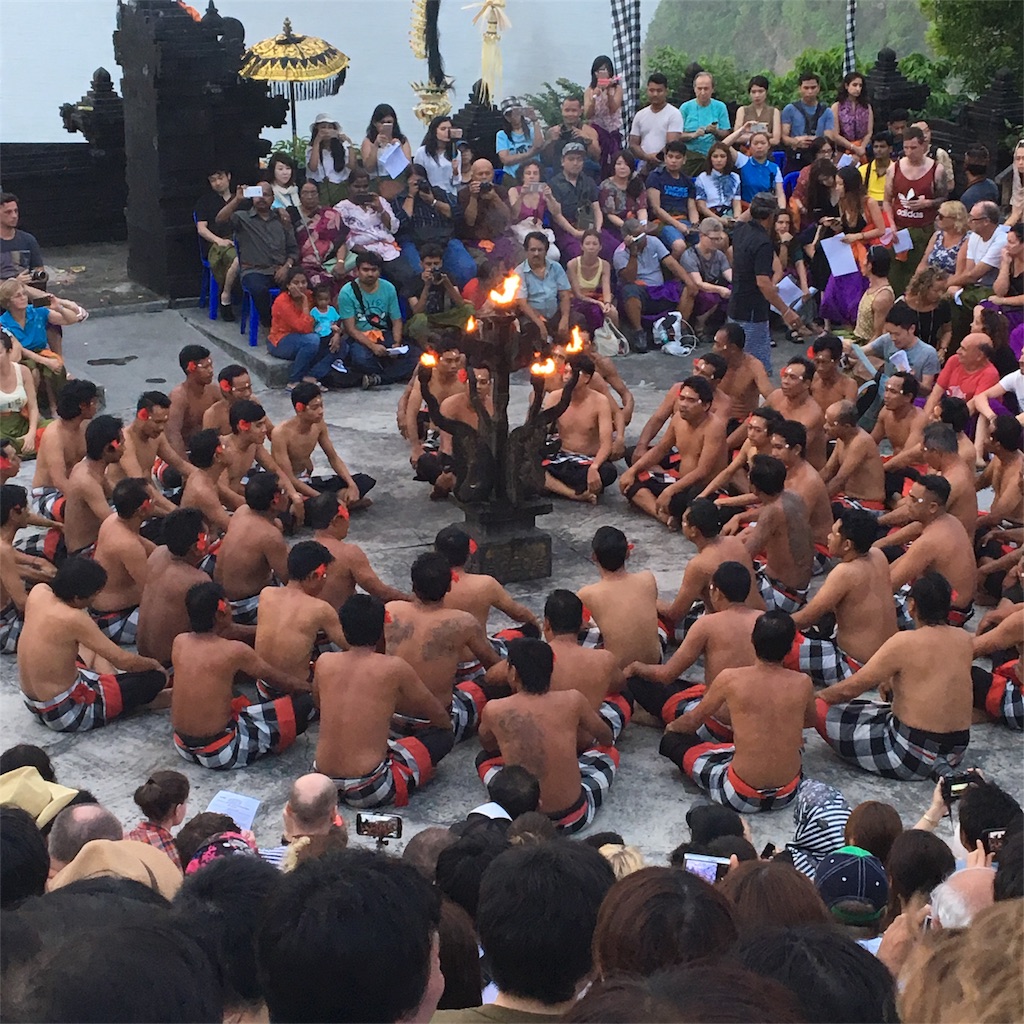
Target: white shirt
x=988 y=253
x=653 y=128
x=327 y=170
x=441 y=172
x=1013 y=383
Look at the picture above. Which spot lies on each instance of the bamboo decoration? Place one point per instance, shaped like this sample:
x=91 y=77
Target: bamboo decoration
x=490 y=55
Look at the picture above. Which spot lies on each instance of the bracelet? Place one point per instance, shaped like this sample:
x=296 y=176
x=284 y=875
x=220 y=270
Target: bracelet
x=934 y=824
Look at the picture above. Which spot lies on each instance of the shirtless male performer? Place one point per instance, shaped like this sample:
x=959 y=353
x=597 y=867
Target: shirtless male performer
x=292 y=449
x=234 y=385
x=554 y=734
x=291 y=618
x=608 y=372
x=212 y=727
x=595 y=673
x=921 y=727
x=433 y=638
x=16 y=569
x=730 y=489
x=622 y=604
x=458 y=407
x=782 y=536
x=329 y=519
x=357 y=692
x=57 y=688
x=939 y=448
x=721 y=637
x=123 y=555
x=172 y=570
x=854 y=472
x=997 y=694
x=713 y=368
x=702 y=528
x=62 y=446
x=787 y=445
x=581 y=470
x=793 y=399
x=253 y=553
x=942 y=545
x=744 y=380
x=204 y=486
x=447 y=378
x=88 y=490
x=147 y=450
x=769 y=708
x=699 y=438
x=475 y=592
x=856 y=592
x=192 y=397
x=554 y=383
x=829 y=384
x=901 y=423
x=1003 y=474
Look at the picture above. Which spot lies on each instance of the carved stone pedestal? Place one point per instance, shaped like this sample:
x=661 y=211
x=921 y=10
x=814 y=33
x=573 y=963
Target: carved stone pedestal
x=510 y=547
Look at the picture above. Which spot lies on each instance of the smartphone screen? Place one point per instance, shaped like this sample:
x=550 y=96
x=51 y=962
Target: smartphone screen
x=711 y=869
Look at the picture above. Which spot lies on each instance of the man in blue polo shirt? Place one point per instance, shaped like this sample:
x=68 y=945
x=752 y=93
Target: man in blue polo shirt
x=544 y=291
x=804 y=121
x=704 y=121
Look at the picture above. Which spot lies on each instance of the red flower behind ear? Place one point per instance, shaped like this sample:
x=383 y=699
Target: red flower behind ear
x=190 y=366
x=473 y=546
x=225 y=386
x=343 y=511
x=142 y=414
x=587 y=617
x=387 y=618
x=300 y=406
x=244 y=424
x=222 y=606
x=463 y=376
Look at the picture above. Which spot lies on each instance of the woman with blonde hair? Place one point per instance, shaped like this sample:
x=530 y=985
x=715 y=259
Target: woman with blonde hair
x=950 y=232
x=926 y=296
x=623 y=859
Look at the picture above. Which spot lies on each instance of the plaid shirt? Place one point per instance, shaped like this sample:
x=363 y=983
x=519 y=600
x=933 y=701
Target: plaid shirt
x=158 y=836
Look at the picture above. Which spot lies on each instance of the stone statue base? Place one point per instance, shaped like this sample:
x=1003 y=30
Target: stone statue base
x=509 y=546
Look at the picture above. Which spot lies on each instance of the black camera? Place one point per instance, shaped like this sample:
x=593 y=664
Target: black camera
x=565 y=133
x=485 y=186
x=424 y=188
x=437 y=276
x=954 y=786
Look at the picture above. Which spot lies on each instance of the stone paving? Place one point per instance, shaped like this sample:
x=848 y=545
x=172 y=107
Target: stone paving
x=649 y=799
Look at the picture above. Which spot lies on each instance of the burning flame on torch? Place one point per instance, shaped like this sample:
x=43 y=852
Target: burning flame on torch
x=544 y=369
x=471 y=325
x=508 y=291
x=428 y=359
x=576 y=345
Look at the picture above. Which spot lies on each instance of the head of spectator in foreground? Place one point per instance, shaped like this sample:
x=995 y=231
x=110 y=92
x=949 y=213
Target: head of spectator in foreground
x=423 y=849
x=763 y=208
x=873 y=826
x=76 y=826
x=536 y=916
x=767 y=893
x=163 y=798
x=985 y=805
x=855 y=889
x=24 y=859
x=972 y=975
x=357 y=916
x=658 y=917
x=28 y=755
x=957 y=901
x=312 y=806
x=462 y=866
x=918 y=861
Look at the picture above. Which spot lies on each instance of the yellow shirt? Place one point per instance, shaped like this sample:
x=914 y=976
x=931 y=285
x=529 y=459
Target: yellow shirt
x=876 y=186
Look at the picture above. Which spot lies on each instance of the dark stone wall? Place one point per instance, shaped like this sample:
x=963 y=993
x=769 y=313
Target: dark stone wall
x=67 y=192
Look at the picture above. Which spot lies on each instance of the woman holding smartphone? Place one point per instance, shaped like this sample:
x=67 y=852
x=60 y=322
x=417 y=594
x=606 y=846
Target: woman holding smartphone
x=602 y=109
x=384 y=140
x=765 y=117
x=530 y=199
x=439 y=157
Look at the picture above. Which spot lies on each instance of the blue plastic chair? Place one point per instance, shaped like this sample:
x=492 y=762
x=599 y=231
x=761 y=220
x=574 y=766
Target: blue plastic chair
x=249 y=316
x=789 y=182
x=208 y=291
x=779 y=156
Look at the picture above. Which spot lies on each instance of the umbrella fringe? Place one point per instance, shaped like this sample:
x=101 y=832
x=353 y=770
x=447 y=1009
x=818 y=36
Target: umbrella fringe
x=309 y=90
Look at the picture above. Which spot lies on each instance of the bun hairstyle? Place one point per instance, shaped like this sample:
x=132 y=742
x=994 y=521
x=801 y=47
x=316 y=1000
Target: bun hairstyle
x=161 y=793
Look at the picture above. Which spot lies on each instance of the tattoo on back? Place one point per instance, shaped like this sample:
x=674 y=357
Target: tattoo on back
x=443 y=641
x=396 y=633
x=522 y=730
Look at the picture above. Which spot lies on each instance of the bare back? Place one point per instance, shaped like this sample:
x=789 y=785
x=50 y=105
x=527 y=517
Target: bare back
x=625 y=608
x=805 y=481
x=287 y=625
x=162 y=614
x=251 y=550
x=594 y=673
x=205 y=665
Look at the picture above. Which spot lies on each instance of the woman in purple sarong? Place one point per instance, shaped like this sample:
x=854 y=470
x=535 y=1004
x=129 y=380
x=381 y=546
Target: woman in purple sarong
x=602 y=108
x=861 y=222
x=321 y=235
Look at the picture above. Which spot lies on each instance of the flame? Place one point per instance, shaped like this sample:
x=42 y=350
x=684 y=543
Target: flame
x=576 y=345
x=470 y=325
x=428 y=359
x=545 y=369
x=508 y=291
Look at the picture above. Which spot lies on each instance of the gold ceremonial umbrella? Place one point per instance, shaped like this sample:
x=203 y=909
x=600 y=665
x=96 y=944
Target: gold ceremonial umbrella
x=311 y=68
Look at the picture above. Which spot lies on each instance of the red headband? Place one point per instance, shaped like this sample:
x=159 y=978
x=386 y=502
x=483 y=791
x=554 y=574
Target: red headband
x=225 y=386
x=142 y=414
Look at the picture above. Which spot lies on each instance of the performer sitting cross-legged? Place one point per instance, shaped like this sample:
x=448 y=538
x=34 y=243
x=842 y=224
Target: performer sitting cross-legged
x=357 y=692
x=212 y=727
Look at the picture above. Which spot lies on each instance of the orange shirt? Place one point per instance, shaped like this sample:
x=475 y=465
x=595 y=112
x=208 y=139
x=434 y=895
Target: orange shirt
x=287 y=318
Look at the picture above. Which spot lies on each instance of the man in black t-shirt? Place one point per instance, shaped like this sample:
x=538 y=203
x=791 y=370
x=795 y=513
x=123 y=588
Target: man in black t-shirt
x=216 y=239
x=752 y=289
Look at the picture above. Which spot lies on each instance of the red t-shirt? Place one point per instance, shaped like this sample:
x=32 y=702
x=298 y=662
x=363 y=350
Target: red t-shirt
x=954 y=380
x=286 y=318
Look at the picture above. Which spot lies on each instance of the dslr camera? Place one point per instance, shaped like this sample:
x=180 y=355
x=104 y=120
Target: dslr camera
x=485 y=186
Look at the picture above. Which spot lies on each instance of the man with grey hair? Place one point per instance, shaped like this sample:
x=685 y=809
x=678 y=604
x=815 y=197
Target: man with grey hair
x=977 y=267
x=753 y=292
x=311 y=810
x=709 y=269
x=958 y=900
x=74 y=827
x=705 y=121
x=640 y=263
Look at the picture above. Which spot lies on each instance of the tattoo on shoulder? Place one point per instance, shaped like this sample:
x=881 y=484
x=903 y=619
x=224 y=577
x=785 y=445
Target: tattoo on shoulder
x=521 y=730
x=396 y=633
x=443 y=640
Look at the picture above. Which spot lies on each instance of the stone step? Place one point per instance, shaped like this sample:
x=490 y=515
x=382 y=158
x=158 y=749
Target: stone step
x=258 y=361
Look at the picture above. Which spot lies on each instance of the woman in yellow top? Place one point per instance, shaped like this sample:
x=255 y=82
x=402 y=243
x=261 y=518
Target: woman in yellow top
x=590 y=278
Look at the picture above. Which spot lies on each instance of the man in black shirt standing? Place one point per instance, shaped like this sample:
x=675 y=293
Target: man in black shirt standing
x=216 y=238
x=752 y=289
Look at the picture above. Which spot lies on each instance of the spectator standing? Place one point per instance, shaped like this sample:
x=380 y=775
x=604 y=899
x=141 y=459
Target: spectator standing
x=655 y=124
x=602 y=107
x=216 y=238
x=381 y=147
x=804 y=119
x=852 y=117
x=873 y=170
x=937 y=153
x=435 y=157
x=330 y=159
x=980 y=187
x=572 y=129
x=266 y=244
x=705 y=120
x=753 y=292
x=760 y=112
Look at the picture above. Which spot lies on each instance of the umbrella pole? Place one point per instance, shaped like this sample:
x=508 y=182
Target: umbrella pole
x=295 y=133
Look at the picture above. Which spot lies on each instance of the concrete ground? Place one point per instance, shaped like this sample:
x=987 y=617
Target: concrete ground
x=132 y=352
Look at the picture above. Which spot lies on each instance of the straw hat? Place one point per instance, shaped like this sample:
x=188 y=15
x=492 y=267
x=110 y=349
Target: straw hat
x=26 y=788
x=122 y=858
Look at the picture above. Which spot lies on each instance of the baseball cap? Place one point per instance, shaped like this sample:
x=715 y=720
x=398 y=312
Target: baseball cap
x=511 y=102
x=574 y=147
x=852 y=875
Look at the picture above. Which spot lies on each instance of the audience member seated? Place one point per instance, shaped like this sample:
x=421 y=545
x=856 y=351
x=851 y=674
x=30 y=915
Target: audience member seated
x=321 y=237
x=672 y=199
x=544 y=294
x=215 y=238
x=20 y=423
x=590 y=277
x=434 y=300
x=759 y=112
x=530 y=214
x=926 y=296
x=977 y=266
x=293 y=333
x=757 y=171
x=966 y=373
x=163 y=799
x=1008 y=289
x=875 y=164
x=821 y=149
x=20 y=255
x=579 y=208
x=485 y=217
x=853 y=119
x=705 y=120
x=602 y=107
x=718 y=185
x=622 y=194
x=372 y=319
x=438 y=157
x=573 y=129
x=952 y=224
x=520 y=140
x=804 y=119
x=708 y=267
